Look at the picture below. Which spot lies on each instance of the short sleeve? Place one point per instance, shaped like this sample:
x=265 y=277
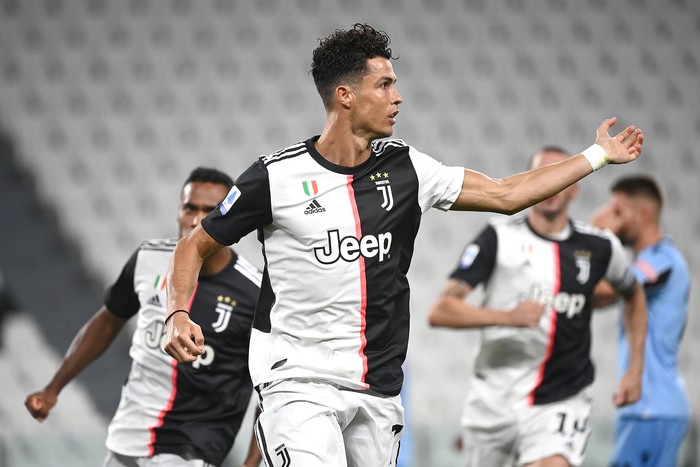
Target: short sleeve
x=438 y=185
x=245 y=208
x=121 y=298
x=478 y=258
x=654 y=270
x=619 y=273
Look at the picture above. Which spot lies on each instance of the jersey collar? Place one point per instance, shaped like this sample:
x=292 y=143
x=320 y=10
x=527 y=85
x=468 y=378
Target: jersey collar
x=341 y=169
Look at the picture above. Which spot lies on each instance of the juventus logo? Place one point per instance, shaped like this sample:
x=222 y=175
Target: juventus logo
x=281 y=451
x=583 y=262
x=383 y=184
x=224 y=307
x=387 y=196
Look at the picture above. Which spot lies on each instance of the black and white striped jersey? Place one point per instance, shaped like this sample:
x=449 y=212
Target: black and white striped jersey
x=517 y=367
x=190 y=409
x=337 y=243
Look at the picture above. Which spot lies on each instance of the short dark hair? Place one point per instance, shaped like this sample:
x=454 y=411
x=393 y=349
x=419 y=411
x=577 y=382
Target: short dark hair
x=639 y=185
x=209 y=175
x=342 y=58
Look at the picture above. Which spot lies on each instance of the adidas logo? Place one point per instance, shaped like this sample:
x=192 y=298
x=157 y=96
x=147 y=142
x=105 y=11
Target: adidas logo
x=154 y=300
x=314 y=207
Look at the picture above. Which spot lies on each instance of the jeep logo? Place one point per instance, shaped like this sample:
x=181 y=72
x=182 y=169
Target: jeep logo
x=563 y=302
x=350 y=248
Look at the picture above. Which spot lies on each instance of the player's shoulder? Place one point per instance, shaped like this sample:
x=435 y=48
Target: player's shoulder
x=387 y=146
x=289 y=152
x=153 y=253
x=159 y=244
x=584 y=228
x=664 y=251
x=505 y=223
x=666 y=247
x=589 y=236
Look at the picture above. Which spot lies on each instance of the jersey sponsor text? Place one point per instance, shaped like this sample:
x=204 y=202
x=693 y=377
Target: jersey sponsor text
x=570 y=304
x=350 y=248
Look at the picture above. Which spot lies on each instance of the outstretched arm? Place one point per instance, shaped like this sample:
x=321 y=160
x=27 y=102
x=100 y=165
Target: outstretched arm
x=451 y=311
x=184 y=338
x=635 y=320
x=88 y=344
x=512 y=194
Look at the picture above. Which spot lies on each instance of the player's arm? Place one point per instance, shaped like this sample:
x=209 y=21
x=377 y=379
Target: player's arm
x=512 y=194
x=88 y=344
x=635 y=321
x=604 y=294
x=184 y=338
x=450 y=310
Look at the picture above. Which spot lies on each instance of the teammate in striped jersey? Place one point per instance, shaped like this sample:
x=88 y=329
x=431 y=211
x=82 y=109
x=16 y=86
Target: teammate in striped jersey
x=174 y=414
x=527 y=402
x=651 y=431
x=337 y=215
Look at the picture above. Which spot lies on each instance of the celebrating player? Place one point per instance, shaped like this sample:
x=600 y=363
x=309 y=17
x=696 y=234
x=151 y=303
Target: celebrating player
x=338 y=215
x=528 y=402
x=186 y=414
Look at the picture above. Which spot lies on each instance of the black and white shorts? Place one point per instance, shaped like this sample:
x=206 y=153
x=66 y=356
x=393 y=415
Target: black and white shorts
x=313 y=423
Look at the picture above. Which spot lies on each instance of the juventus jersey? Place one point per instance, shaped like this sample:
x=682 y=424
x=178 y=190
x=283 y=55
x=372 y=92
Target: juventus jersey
x=190 y=409
x=517 y=367
x=337 y=243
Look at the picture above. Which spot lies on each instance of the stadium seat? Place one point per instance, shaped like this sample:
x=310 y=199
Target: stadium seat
x=112 y=103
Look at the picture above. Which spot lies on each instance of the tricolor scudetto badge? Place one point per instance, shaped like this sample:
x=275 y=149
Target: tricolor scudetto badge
x=159 y=283
x=310 y=187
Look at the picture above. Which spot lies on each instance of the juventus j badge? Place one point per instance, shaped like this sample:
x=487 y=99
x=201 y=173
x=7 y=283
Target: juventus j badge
x=384 y=186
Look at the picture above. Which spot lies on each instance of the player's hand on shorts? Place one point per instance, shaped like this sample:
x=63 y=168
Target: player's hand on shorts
x=624 y=147
x=184 y=341
x=40 y=403
x=527 y=314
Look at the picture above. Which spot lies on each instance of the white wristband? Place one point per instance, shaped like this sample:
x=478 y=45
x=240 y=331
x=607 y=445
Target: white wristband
x=596 y=156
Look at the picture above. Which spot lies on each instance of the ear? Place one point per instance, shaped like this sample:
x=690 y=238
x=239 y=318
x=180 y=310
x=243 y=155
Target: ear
x=345 y=96
x=645 y=213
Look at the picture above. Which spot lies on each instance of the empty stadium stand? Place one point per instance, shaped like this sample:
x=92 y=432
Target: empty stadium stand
x=112 y=103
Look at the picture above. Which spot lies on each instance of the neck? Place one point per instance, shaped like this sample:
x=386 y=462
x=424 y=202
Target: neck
x=216 y=262
x=647 y=237
x=340 y=145
x=548 y=226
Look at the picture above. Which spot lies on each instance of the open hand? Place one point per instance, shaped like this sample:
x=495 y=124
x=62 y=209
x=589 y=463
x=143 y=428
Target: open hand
x=624 y=147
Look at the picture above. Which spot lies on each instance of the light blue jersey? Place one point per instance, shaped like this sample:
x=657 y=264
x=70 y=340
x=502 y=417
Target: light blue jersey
x=663 y=272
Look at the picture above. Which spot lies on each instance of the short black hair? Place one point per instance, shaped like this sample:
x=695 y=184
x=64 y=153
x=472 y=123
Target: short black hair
x=342 y=58
x=209 y=175
x=639 y=185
